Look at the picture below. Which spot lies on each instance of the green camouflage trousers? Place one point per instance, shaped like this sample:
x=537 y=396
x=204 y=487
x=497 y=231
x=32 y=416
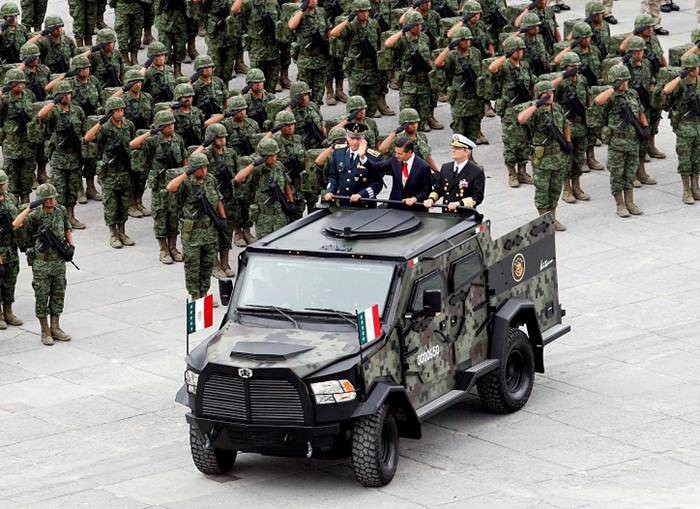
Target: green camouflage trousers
x=316 y=79
x=89 y=167
x=416 y=96
x=149 y=16
x=224 y=57
x=33 y=12
x=21 y=175
x=84 y=14
x=622 y=166
x=270 y=68
x=516 y=143
x=138 y=181
x=128 y=26
x=688 y=148
x=578 y=159
x=175 y=45
x=366 y=84
x=116 y=201
x=268 y=220
x=199 y=263
x=232 y=208
x=468 y=126
x=548 y=177
x=49 y=283
x=166 y=222
x=67 y=182
x=9 y=281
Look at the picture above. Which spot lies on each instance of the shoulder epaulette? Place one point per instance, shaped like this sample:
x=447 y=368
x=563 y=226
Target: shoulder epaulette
x=374 y=153
x=340 y=145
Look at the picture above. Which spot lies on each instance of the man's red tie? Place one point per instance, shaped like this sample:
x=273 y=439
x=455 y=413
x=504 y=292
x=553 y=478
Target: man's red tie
x=404 y=171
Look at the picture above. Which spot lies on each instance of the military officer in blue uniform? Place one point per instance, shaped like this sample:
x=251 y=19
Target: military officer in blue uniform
x=348 y=175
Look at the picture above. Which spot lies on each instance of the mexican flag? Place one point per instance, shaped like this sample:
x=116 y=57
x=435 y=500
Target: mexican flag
x=369 y=325
x=200 y=314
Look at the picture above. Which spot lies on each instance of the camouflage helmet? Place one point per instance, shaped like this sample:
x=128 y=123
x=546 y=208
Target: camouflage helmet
x=543 y=86
x=254 y=75
x=63 y=87
x=163 y=118
x=690 y=61
x=530 y=20
x=106 y=35
x=46 y=191
x=285 y=117
x=133 y=75
x=408 y=116
x=9 y=9
x=237 y=103
x=267 y=147
x=216 y=131
x=80 y=62
x=203 y=61
x=636 y=43
x=197 y=160
x=618 y=72
x=643 y=20
x=413 y=18
x=299 y=87
x=513 y=43
x=462 y=33
x=114 y=103
x=336 y=133
x=568 y=59
x=3 y=178
x=156 y=48
x=594 y=7
x=52 y=20
x=582 y=29
x=355 y=102
x=361 y=5
x=471 y=7
x=29 y=50
x=183 y=90
x=14 y=76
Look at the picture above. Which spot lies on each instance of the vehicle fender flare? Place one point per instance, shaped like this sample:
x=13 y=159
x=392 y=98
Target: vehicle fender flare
x=514 y=313
x=395 y=395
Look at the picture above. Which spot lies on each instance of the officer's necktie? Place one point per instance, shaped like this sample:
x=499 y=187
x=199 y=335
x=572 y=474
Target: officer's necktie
x=404 y=171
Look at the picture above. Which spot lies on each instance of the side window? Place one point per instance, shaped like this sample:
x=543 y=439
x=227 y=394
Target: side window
x=463 y=270
x=431 y=281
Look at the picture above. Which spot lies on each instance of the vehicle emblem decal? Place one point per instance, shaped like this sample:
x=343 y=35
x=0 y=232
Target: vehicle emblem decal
x=546 y=263
x=245 y=373
x=518 y=268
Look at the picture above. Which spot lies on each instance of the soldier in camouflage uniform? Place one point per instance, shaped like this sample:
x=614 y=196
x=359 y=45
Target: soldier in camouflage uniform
x=9 y=257
x=356 y=112
x=56 y=47
x=267 y=213
x=623 y=139
x=13 y=36
x=258 y=17
x=408 y=127
x=66 y=123
x=210 y=92
x=84 y=14
x=149 y=18
x=48 y=267
x=33 y=12
x=219 y=41
x=494 y=17
x=19 y=156
x=551 y=157
x=164 y=150
x=573 y=94
x=222 y=166
x=160 y=79
x=105 y=63
x=595 y=17
x=535 y=49
x=682 y=97
x=462 y=65
x=548 y=28
x=310 y=49
x=200 y=239
x=38 y=76
x=472 y=19
x=128 y=23
x=171 y=22
x=308 y=116
x=189 y=120
x=256 y=96
x=292 y=156
x=515 y=82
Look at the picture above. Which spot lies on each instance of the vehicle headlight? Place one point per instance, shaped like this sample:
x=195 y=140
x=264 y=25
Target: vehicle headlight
x=333 y=391
x=191 y=379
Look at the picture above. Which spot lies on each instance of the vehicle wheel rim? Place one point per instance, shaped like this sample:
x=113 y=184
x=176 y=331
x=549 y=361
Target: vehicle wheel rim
x=387 y=445
x=515 y=371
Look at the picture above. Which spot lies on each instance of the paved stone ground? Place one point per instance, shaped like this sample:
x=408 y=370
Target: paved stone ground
x=614 y=422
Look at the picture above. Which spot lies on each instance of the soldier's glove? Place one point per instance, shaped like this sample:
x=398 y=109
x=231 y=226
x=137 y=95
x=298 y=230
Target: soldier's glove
x=400 y=129
x=230 y=114
x=407 y=28
x=574 y=43
x=2 y=271
x=467 y=17
x=58 y=98
x=617 y=84
x=36 y=203
x=533 y=5
x=245 y=89
x=541 y=101
x=70 y=252
x=258 y=162
x=509 y=54
x=304 y=5
x=148 y=62
x=191 y=169
x=352 y=16
x=195 y=76
x=156 y=130
x=568 y=148
x=207 y=142
x=570 y=72
x=294 y=102
x=47 y=31
x=106 y=118
x=8 y=23
x=454 y=44
x=98 y=47
x=697 y=43
x=351 y=116
x=684 y=73
x=639 y=30
x=276 y=128
x=128 y=86
x=176 y=105
x=29 y=60
x=291 y=206
x=627 y=57
x=71 y=73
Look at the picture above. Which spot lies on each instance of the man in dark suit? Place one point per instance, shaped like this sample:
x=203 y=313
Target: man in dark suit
x=411 y=175
x=460 y=182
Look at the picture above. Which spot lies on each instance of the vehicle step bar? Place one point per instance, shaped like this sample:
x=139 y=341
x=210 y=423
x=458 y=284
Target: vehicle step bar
x=444 y=401
x=467 y=378
x=554 y=332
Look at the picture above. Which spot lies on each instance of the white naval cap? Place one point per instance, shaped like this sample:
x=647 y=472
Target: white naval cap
x=461 y=141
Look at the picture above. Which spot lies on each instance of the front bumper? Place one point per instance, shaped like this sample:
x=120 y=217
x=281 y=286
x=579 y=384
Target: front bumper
x=271 y=440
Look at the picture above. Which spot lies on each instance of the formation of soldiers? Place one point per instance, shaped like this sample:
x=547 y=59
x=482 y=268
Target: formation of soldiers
x=221 y=161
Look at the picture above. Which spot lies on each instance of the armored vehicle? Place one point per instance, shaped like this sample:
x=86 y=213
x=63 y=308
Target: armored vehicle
x=451 y=312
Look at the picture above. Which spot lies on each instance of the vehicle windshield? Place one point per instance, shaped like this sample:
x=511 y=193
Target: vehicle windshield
x=296 y=283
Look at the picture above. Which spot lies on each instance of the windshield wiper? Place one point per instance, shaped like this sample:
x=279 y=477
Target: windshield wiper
x=342 y=314
x=281 y=311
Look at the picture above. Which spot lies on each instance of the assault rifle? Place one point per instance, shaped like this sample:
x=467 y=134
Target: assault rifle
x=644 y=95
x=553 y=132
x=36 y=88
x=317 y=41
x=418 y=64
x=167 y=159
x=312 y=131
x=258 y=113
x=209 y=106
x=69 y=136
x=245 y=147
x=119 y=155
x=10 y=50
x=598 y=42
x=49 y=240
x=268 y=24
x=468 y=77
x=537 y=65
x=294 y=167
x=206 y=208
x=383 y=25
x=224 y=176
x=364 y=49
x=277 y=195
x=628 y=117
x=574 y=105
x=591 y=78
x=495 y=19
x=5 y=223
x=87 y=106
x=444 y=10
x=653 y=61
x=22 y=119
x=692 y=105
x=547 y=34
x=521 y=93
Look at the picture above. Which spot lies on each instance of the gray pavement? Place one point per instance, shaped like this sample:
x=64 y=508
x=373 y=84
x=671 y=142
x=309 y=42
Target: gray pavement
x=614 y=421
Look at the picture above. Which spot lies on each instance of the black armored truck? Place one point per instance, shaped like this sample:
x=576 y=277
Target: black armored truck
x=348 y=328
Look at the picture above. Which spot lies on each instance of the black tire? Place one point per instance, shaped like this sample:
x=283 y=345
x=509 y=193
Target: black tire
x=210 y=461
x=508 y=388
x=375 y=448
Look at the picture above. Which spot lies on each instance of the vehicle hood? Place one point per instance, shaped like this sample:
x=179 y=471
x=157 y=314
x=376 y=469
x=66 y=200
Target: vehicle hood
x=302 y=351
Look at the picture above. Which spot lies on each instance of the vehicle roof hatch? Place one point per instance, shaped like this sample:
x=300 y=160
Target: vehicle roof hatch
x=373 y=224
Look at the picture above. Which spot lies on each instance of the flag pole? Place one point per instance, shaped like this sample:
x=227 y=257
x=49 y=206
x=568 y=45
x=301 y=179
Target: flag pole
x=359 y=340
x=187 y=314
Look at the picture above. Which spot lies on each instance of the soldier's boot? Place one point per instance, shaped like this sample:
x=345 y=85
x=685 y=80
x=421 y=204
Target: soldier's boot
x=79 y=42
x=249 y=237
x=481 y=139
x=123 y=237
x=74 y=221
x=82 y=198
x=133 y=210
x=147 y=36
x=284 y=78
x=134 y=58
x=192 y=49
x=114 y=240
x=688 y=197
x=90 y=189
x=591 y=161
x=164 y=255
x=558 y=227
x=694 y=188
x=46 y=338
x=125 y=57
x=636 y=183
x=629 y=202
x=10 y=317
x=218 y=270
x=56 y=332
x=643 y=176
x=568 y=193
x=579 y=193
x=225 y=264
x=512 y=176
x=542 y=212
x=339 y=94
x=3 y=324
x=433 y=122
x=240 y=66
x=177 y=69
x=239 y=238
x=24 y=199
x=620 y=207
x=384 y=108
x=424 y=126
x=87 y=41
x=101 y=22
x=172 y=246
x=41 y=175
x=330 y=96
x=523 y=176
x=139 y=205
x=653 y=151
x=488 y=110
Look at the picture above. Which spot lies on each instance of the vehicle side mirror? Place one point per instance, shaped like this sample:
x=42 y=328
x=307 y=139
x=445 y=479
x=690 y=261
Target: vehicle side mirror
x=432 y=303
x=225 y=291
